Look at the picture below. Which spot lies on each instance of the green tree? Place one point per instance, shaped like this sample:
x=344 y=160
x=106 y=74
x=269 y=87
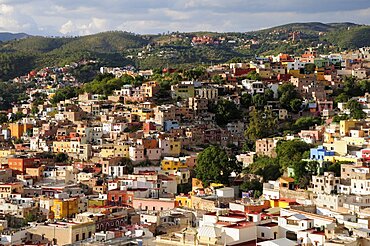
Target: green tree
x=364 y=86
x=287 y=93
x=355 y=109
x=64 y=93
x=61 y=157
x=217 y=79
x=214 y=165
x=261 y=124
x=303 y=172
x=246 y=100
x=259 y=101
x=342 y=97
x=252 y=185
x=290 y=152
x=335 y=168
x=306 y=122
x=226 y=111
x=266 y=167
x=350 y=87
x=295 y=105
x=309 y=68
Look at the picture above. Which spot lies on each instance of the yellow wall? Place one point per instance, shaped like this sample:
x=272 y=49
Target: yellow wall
x=5 y=153
x=345 y=126
x=183 y=201
x=354 y=141
x=339 y=147
x=115 y=151
x=340 y=158
x=17 y=129
x=184 y=91
x=279 y=204
x=295 y=73
x=264 y=73
x=176 y=150
x=64 y=147
x=64 y=208
x=96 y=202
x=172 y=165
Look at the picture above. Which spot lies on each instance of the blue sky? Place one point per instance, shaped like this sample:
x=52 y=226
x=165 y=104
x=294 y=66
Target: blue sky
x=82 y=17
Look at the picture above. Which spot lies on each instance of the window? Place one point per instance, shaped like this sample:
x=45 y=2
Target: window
x=77 y=237
x=262 y=234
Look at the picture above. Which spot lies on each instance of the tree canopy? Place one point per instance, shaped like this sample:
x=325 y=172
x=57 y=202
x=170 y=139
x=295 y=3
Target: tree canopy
x=214 y=165
x=289 y=97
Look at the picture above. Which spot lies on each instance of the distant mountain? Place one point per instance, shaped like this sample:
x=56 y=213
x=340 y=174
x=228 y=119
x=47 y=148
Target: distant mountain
x=309 y=27
x=22 y=52
x=7 y=36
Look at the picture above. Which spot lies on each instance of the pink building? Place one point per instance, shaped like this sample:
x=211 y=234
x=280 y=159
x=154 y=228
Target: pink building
x=313 y=135
x=154 y=204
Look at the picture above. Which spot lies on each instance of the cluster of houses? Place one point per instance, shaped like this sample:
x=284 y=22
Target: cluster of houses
x=92 y=170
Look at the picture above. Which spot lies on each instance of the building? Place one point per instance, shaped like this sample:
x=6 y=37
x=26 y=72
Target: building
x=266 y=147
x=63 y=233
x=20 y=164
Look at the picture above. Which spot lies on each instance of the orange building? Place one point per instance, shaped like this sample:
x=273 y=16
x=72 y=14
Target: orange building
x=21 y=164
x=17 y=129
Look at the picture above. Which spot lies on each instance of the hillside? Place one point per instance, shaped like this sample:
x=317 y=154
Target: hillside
x=19 y=56
x=117 y=48
x=308 y=27
x=7 y=36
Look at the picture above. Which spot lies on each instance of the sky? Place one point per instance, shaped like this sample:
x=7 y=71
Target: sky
x=84 y=17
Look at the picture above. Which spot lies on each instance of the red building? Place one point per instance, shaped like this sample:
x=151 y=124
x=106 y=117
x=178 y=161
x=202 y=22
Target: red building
x=120 y=197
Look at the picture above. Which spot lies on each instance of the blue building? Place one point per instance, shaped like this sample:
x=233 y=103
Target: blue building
x=319 y=153
x=169 y=125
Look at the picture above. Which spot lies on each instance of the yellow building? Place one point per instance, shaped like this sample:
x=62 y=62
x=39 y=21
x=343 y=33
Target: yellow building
x=143 y=113
x=340 y=158
x=338 y=146
x=18 y=129
x=172 y=163
x=355 y=141
x=281 y=203
x=328 y=137
x=107 y=151
x=183 y=201
x=264 y=73
x=346 y=125
x=115 y=151
x=6 y=152
x=295 y=73
x=175 y=147
x=320 y=74
x=65 y=208
x=96 y=202
x=61 y=146
x=184 y=90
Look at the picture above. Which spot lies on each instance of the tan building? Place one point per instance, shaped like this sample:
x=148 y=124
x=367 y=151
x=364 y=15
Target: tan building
x=198 y=105
x=63 y=233
x=207 y=92
x=266 y=147
x=149 y=89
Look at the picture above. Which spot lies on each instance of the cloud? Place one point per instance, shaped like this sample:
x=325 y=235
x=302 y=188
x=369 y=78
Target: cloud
x=93 y=26
x=71 y=17
x=12 y=21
